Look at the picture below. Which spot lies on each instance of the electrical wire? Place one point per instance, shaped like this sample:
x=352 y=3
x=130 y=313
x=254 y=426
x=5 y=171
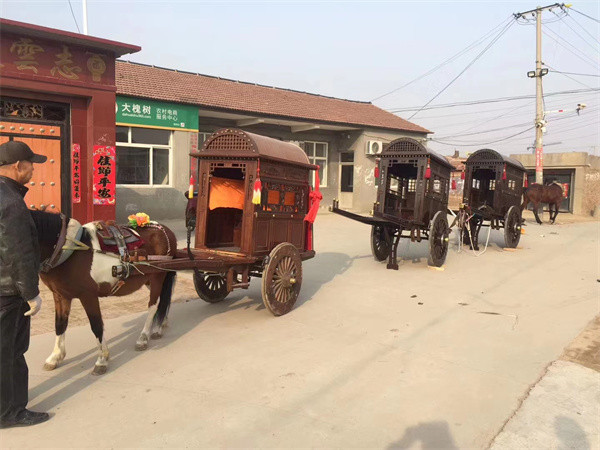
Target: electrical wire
x=585 y=15
x=568 y=76
x=460 y=144
x=493 y=41
x=492 y=100
x=584 y=57
x=583 y=28
x=449 y=60
x=73 y=14
x=571 y=73
x=580 y=36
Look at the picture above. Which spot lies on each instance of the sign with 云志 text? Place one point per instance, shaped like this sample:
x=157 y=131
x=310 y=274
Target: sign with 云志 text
x=104 y=175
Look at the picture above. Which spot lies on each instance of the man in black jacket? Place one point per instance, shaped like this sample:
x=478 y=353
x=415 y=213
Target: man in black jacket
x=19 y=293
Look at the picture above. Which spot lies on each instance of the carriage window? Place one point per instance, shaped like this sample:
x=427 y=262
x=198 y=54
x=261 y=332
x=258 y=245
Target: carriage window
x=317 y=153
x=273 y=198
x=289 y=199
x=412 y=185
x=492 y=185
x=437 y=187
x=476 y=183
x=147 y=163
x=511 y=184
x=394 y=185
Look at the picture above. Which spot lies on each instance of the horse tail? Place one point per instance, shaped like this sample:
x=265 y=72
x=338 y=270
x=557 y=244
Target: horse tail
x=164 y=301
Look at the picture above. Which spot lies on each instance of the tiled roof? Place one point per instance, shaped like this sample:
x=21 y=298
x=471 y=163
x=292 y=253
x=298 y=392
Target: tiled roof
x=138 y=80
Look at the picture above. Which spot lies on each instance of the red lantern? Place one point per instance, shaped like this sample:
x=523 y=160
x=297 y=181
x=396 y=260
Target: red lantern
x=504 y=173
x=377 y=168
x=453 y=184
x=428 y=169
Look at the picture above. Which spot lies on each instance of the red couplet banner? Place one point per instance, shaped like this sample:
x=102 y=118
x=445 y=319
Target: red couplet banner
x=76 y=173
x=104 y=175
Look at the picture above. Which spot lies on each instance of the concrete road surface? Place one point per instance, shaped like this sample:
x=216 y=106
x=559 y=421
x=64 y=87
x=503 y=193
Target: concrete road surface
x=369 y=357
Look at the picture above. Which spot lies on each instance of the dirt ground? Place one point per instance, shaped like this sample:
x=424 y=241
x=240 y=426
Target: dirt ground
x=585 y=348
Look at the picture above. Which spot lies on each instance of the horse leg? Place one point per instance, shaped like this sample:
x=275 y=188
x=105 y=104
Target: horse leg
x=156 y=281
x=556 y=206
x=523 y=207
x=164 y=303
x=62 y=308
x=535 y=212
x=91 y=305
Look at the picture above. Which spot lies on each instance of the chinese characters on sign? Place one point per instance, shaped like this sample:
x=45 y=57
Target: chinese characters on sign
x=104 y=175
x=46 y=58
x=149 y=113
x=76 y=175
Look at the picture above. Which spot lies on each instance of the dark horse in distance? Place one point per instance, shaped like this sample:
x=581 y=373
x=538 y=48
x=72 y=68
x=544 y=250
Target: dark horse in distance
x=552 y=194
x=87 y=274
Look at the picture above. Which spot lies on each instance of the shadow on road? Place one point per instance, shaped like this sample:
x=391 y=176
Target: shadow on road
x=431 y=435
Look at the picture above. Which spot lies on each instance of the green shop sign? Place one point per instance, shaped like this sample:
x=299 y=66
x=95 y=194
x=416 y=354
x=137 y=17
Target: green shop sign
x=153 y=114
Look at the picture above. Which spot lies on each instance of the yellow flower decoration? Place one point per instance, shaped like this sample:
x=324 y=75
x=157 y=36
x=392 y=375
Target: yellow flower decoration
x=138 y=220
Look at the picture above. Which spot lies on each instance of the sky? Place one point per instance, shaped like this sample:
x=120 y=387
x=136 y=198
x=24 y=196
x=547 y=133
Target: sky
x=364 y=50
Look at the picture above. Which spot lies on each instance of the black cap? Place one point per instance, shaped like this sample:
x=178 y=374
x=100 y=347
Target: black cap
x=13 y=151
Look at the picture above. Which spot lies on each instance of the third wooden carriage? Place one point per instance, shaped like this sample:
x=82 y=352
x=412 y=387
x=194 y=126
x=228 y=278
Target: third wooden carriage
x=411 y=203
x=492 y=193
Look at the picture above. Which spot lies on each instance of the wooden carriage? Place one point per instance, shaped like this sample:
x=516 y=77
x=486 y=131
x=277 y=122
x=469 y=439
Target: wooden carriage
x=492 y=193
x=236 y=239
x=412 y=201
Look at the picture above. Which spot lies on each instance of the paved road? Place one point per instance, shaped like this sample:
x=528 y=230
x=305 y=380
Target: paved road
x=368 y=358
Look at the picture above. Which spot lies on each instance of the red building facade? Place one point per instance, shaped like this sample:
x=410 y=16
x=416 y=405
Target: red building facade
x=57 y=93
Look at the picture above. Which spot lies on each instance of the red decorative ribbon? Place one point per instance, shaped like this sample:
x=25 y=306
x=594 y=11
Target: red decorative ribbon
x=314 y=199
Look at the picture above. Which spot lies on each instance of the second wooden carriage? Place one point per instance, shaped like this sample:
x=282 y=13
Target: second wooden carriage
x=412 y=201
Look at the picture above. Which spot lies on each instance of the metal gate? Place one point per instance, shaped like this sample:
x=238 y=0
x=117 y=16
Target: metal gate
x=562 y=176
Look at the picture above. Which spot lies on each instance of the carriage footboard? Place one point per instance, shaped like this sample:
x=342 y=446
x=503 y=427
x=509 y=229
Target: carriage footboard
x=359 y=218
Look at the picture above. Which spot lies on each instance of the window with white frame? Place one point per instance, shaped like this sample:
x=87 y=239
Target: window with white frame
x=144 y=156
x=317 y=154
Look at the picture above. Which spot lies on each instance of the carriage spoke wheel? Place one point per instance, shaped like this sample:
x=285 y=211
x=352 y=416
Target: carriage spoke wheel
x=512 y=227
x=281 y=279
x=438 y=239
x=381 y=242
x=210 y=287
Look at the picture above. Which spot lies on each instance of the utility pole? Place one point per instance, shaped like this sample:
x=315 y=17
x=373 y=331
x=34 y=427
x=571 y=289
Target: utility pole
x=85 y=27
x=540 y=122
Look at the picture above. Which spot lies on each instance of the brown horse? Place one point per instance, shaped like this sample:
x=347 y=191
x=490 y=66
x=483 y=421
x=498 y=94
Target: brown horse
x=87 y=274
x=552 y=194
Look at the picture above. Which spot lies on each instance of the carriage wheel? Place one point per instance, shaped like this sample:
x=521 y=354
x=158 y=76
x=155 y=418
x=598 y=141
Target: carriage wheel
x=512 y=227
x=210 y=287
x=438 y=239
x=381 y=242
x=281 y=279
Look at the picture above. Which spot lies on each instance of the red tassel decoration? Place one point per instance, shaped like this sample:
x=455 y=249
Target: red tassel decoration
x=191 y=190
x=453 y=184
x=256 y=195
x=377 y=168
x=504 y=173
x=462 y=175
x=428 y=169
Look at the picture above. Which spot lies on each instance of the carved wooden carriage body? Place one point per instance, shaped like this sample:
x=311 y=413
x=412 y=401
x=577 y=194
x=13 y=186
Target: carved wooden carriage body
x=406 y=193
x=412 y=201
x=493 y=180
x=252 y=230
x=492 y=192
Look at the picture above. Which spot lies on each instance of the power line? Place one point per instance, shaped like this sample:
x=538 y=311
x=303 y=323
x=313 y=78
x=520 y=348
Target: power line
x=571 y=73
x=452 y=58
x=486 y=131
x=585 y=15
x=583 y=56
x=492 y=100
x=567 y=75
x=583 y=28
x=73 y=14
x=484 y=143
x=498 y=36
x=582 y=38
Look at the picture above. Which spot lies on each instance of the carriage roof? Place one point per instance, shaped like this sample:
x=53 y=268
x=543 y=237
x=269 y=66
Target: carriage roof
x=411 y=147
x=487 y=155
x=232 y=142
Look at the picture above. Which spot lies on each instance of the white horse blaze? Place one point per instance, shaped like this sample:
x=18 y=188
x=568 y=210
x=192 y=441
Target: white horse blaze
x=59 y=352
